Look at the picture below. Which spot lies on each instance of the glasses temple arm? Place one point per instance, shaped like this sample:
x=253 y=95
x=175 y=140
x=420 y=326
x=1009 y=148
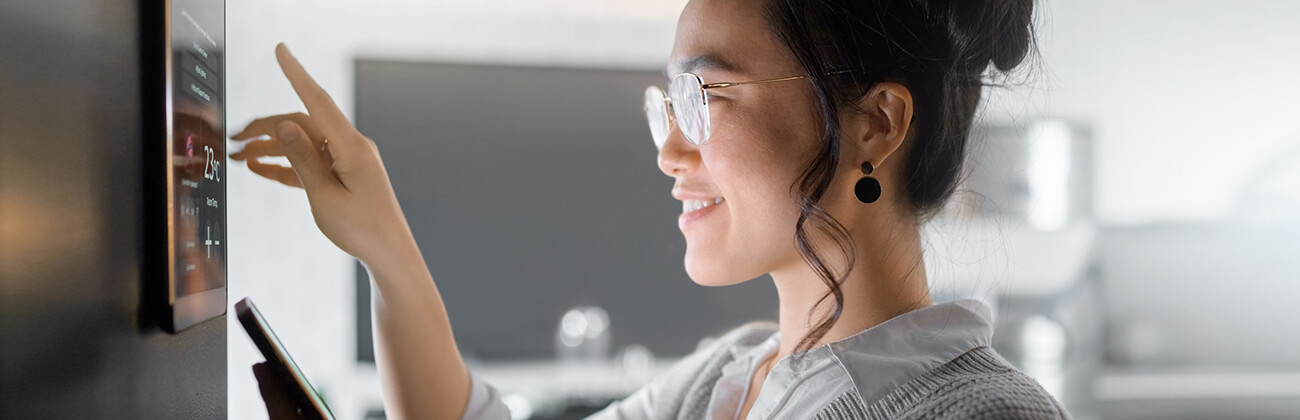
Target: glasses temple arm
x=720 y=85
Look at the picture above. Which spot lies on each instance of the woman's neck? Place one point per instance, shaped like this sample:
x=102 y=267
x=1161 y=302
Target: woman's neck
x=888 y=279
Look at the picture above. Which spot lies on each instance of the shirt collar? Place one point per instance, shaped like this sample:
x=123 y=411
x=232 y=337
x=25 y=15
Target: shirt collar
x=883 y=357
x=888 y=355
x=746 y=356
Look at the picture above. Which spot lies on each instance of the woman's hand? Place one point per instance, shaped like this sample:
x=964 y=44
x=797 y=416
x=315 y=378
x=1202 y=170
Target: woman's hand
x=278 y=404
x=351 y=197
x=352 y=201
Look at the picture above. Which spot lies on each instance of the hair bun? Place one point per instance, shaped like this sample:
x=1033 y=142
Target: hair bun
x=989 y=31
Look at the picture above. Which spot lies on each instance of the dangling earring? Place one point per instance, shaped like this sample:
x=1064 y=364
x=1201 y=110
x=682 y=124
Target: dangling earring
x=867 y=188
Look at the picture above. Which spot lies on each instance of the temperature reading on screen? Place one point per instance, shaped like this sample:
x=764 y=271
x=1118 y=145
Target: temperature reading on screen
x=210 y=171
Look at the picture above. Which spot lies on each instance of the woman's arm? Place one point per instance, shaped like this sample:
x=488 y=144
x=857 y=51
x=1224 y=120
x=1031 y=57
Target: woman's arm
x=420 y=367
x=353 y=204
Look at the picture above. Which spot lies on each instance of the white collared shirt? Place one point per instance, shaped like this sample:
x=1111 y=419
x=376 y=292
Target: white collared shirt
x=873 y=361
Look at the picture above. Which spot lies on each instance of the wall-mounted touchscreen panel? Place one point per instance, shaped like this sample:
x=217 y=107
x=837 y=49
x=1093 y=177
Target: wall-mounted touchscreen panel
x=196 y=153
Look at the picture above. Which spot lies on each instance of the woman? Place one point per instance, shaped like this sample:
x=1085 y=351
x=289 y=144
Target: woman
x=809 y=140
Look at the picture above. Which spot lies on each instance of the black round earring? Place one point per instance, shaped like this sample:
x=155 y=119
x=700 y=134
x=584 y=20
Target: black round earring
x=867 y=188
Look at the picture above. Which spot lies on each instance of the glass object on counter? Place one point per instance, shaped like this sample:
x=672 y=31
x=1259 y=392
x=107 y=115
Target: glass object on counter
x=583 y=335
x=637 y=363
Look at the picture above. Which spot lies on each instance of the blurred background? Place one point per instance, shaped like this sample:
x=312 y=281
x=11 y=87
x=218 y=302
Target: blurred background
x=1133 y=211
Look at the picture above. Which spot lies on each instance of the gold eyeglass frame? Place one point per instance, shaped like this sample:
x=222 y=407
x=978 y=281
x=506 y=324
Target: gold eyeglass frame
x=671 y=115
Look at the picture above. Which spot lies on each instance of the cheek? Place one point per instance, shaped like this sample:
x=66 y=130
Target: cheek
x=771 y=152
x=754 y=159
x=753 y=165
x=761 y=204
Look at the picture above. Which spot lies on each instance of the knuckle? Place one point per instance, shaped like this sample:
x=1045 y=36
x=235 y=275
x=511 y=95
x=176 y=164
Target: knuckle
x=300 y=119
x=370 y=149
x=319 y=95
x=286 y=122
x=302 y=129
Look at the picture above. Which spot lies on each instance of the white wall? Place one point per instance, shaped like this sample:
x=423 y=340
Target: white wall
x=1186 y=98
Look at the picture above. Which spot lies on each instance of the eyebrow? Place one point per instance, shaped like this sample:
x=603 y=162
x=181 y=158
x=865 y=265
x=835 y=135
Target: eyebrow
x=706 y=61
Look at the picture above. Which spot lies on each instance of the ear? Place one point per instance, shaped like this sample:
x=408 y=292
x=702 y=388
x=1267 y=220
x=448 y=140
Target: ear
x=876 y=129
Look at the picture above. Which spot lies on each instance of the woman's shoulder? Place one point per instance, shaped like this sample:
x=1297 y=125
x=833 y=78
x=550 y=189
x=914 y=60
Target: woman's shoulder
x=978 y=384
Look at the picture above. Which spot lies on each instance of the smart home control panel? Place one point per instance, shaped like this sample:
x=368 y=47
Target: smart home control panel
x=192 y=125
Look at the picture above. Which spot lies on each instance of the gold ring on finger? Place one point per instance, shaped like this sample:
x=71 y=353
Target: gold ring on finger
x=325 y=143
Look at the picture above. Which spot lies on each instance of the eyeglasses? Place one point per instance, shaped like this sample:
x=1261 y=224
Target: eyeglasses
x=689 y=103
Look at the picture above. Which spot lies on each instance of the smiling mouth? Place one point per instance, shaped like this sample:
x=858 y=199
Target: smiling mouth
x=694 y=205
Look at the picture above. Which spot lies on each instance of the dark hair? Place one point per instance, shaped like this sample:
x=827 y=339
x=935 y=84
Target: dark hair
x=938 y=49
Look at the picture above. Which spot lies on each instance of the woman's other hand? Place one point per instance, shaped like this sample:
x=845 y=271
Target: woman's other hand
x=351 y=197
x=274 y=392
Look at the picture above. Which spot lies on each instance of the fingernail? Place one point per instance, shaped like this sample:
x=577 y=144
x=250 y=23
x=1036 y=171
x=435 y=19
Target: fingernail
x=286 y=132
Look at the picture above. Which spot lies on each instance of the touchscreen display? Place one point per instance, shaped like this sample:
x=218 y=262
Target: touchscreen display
x=196 y=149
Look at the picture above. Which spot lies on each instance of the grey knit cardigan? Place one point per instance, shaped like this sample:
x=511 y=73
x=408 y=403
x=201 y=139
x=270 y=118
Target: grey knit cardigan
x=979 y=384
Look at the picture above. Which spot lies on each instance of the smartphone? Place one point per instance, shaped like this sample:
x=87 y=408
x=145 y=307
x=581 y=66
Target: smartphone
x=304 y=395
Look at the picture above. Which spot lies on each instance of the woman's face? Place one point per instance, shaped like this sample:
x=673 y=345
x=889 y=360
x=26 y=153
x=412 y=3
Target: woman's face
x=762 y=136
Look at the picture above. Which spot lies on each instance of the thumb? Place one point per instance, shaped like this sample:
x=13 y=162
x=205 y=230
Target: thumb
x=303 y=156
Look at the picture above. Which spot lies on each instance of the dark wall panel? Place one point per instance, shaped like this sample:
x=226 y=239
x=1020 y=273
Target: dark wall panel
x=75 y=341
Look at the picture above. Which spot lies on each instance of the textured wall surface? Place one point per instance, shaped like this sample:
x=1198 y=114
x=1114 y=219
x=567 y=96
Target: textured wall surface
x=75 y=341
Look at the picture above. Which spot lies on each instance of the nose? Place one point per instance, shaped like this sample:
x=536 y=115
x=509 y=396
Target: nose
x=678 y=156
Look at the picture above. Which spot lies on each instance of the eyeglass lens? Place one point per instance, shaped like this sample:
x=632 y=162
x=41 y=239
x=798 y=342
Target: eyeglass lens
x=656 y=112
x=689 y=106
x=693 y=112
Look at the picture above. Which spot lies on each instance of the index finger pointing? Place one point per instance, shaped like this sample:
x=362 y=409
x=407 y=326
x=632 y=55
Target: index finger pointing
x=318 y=102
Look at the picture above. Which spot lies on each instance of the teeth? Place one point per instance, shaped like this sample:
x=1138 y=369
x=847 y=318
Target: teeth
x=693 y=205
